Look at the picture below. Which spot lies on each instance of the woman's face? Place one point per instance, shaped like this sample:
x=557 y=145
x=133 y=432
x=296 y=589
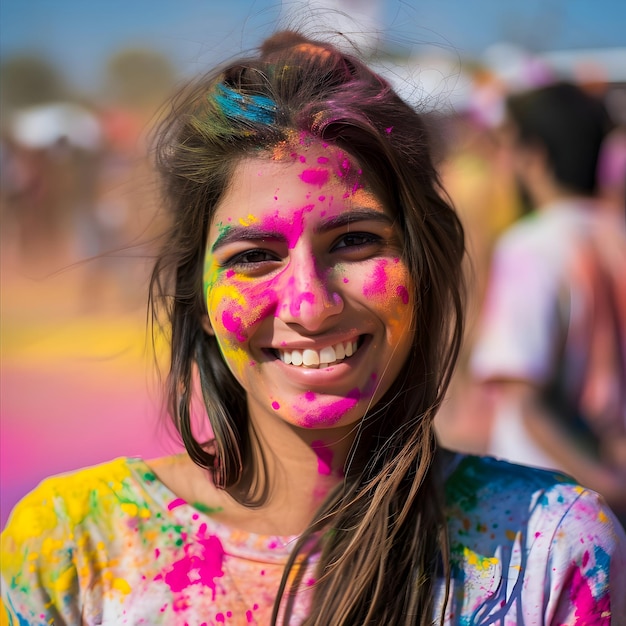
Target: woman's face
x=306 y=290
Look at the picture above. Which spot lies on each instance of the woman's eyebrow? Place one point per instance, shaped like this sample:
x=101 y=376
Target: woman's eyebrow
x=357 y=215
x=258 y=233
x=245 y=233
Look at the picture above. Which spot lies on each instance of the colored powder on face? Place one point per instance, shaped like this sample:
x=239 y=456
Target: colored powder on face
x=370 y=388
x=296 y=299
x=233 y=324
x=317 y=176
x=275 y=406
x=249 y=617
x=402 y=293
x=290 y=229
x=220 y=618
x=250 y=219
x=377 y=285
x=327 y=414
x=324 y=457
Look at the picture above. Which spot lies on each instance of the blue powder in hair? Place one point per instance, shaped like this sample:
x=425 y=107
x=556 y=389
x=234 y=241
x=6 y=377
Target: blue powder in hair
x=254 y=108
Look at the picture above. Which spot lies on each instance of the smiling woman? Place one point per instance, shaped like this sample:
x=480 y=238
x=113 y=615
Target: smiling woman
x=311 y=281
x=301 y=267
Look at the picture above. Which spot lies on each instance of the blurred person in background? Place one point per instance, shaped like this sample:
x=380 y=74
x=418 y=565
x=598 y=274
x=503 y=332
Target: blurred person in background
x=550 y=351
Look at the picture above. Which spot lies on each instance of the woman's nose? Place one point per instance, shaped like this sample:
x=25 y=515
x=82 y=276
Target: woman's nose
x=306 y=296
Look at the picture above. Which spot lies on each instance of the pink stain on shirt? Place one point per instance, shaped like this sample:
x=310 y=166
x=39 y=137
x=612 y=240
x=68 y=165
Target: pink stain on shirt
x=197 y=569
x=589 y=610
x=176 y=503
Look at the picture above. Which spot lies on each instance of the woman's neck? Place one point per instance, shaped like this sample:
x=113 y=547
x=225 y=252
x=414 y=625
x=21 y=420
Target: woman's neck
x=302 y=467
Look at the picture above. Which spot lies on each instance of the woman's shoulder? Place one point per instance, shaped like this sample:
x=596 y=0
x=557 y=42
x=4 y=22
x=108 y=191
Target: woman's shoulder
x=525 y=540
x=497 y=502
x=72 y=497
x=485 y=476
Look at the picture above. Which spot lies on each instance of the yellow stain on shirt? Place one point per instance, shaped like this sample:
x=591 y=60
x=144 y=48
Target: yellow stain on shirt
x=121 y=585
x=130 y=508
x=478 y=560
x=65 y=580
x=51 y=548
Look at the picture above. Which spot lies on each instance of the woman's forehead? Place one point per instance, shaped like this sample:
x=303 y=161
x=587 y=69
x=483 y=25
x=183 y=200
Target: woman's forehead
x=317 y=172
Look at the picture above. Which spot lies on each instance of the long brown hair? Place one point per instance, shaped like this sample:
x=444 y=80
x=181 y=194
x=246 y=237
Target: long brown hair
x=382 y=532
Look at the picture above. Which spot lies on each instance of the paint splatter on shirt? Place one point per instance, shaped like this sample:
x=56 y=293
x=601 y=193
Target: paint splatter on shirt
x=112 y=545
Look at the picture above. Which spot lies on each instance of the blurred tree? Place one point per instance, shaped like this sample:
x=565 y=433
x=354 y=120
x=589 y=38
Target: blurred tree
x=29 y=80
x=138 y=77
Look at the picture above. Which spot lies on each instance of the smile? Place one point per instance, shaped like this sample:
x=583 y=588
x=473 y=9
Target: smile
x=318 y=359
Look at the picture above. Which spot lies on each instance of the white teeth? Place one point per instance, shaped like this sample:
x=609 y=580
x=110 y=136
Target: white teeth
x=327 y=355
x=310 y=357
x=314 y=359
x=340 y=353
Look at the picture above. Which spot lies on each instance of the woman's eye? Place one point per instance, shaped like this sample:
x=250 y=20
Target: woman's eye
x=351 y=240
x=251 y=257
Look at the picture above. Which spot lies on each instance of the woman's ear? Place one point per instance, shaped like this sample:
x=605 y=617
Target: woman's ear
x=206 y=325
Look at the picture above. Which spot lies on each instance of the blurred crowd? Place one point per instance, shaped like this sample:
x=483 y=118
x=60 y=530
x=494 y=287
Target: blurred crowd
x=77 y=190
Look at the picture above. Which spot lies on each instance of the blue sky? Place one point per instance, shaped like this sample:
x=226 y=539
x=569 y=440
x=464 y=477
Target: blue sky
x=78 y=35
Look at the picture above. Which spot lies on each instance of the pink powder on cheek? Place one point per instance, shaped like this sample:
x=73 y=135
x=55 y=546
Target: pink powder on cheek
x=275 y=406
x=324 y=457
x=318 y=176
x=233 y=324
x=377 y=285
